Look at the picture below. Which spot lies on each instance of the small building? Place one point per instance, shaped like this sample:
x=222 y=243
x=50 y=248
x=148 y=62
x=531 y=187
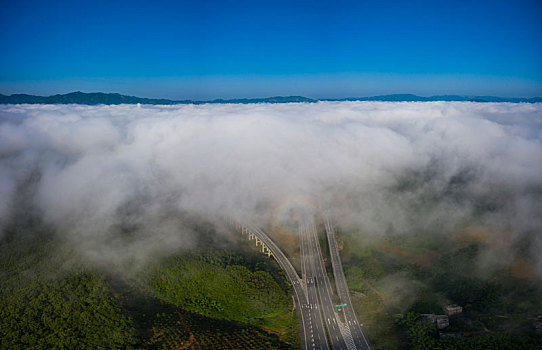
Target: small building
x=441 y=321
x=452 y=309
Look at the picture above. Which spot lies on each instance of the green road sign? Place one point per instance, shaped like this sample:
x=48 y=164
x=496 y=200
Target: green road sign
x=340 y=305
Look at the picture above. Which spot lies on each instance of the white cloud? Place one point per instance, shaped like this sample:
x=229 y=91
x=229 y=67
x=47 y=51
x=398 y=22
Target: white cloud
x=375 y=164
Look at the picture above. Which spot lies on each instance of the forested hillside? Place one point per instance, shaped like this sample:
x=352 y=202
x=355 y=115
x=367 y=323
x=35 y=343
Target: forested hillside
x=205 y=300
x=222 y=286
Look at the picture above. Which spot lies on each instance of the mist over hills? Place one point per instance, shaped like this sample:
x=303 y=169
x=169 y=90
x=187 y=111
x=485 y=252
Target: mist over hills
x=379 y=167
x=97 y=98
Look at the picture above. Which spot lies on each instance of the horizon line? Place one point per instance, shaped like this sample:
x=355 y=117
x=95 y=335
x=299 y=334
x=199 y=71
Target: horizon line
x=397 y=95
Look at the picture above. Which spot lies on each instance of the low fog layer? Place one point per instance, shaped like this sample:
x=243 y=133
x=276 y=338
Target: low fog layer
x=119 y=180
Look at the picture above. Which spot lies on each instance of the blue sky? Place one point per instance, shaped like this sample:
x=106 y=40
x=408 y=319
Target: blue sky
x=209 y=49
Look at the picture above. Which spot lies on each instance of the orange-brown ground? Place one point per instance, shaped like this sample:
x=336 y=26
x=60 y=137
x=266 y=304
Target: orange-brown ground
x=424 y=259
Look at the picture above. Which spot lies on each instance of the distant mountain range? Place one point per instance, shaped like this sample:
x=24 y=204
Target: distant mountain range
x=96 y=98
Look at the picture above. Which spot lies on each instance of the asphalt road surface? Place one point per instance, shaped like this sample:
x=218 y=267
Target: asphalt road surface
x=310 y=276
x=359 y=339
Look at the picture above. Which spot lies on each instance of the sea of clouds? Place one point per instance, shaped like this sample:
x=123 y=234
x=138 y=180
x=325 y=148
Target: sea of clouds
x=123 y=179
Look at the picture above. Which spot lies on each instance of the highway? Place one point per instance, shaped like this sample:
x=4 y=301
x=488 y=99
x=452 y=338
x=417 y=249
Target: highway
x=310 y=275
x=359 y=339
x=321 y=324
x=323 y=286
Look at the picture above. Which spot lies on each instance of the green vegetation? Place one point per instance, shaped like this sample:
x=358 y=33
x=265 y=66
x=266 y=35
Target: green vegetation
x=422 y=335
x=49 y=299
x=45 y=305
x=72 y=312
x=236 y=298
x=208 y=333
x=161 y=325
x=211 y=285
x=409 y=276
